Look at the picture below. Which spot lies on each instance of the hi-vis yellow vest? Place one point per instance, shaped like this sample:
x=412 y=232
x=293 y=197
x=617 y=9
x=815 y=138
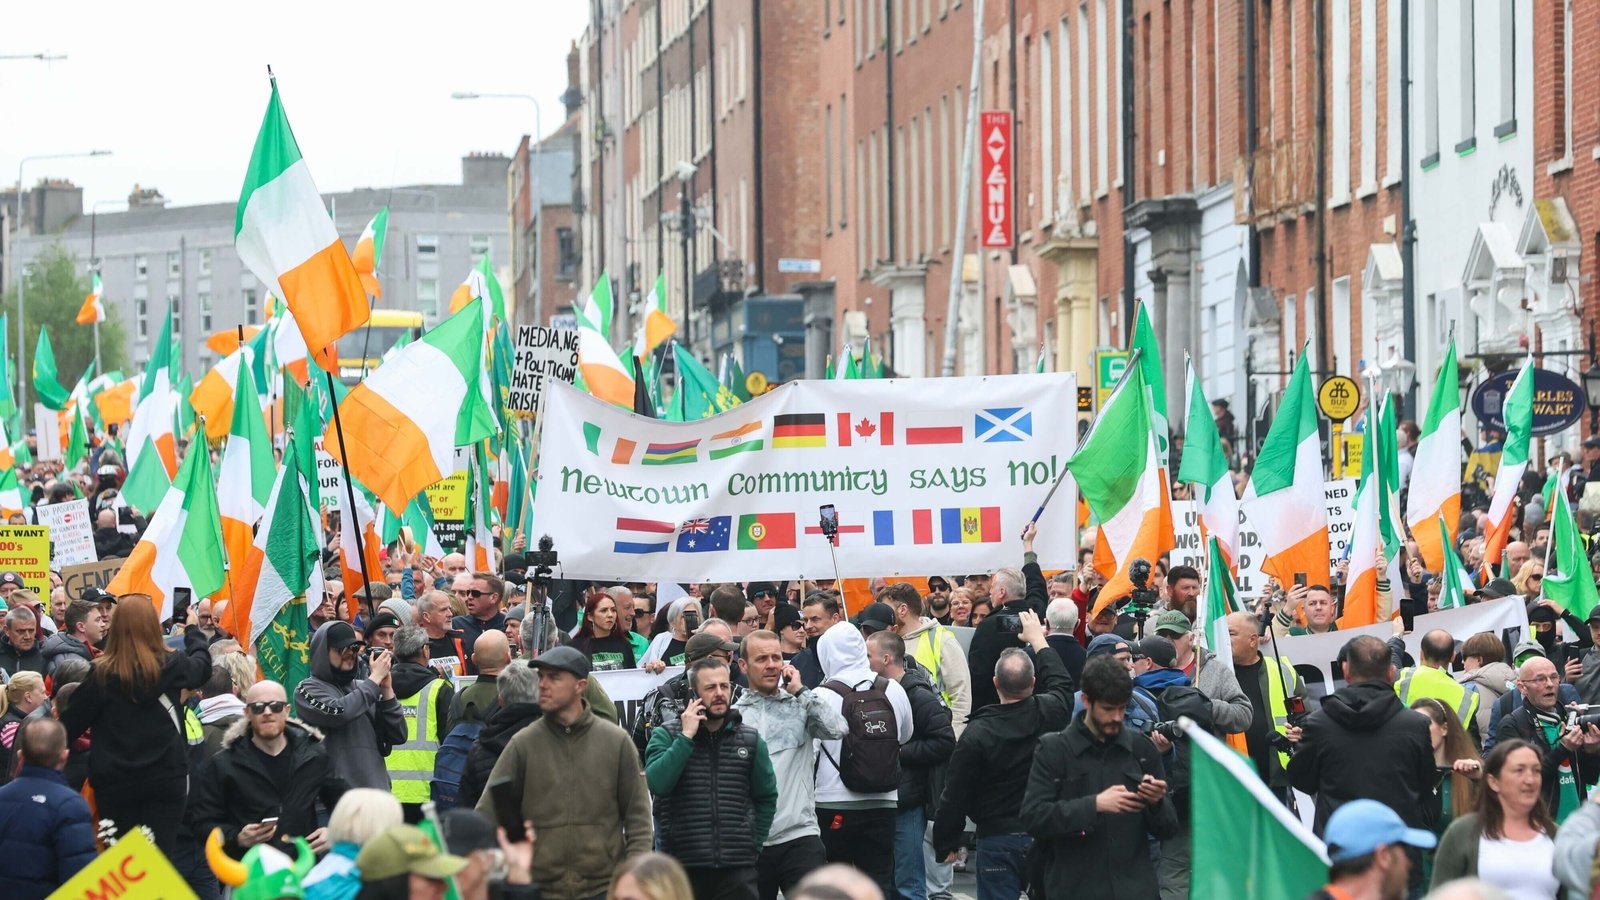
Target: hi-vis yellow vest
x=410 y=764
x=928 y=651
x=1280 y=684
x=1426 y=681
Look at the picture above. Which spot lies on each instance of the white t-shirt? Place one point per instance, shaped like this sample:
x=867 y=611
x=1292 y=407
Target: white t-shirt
x=1523 y=869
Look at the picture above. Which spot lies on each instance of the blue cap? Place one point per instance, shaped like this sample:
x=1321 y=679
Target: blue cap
x=1106 y=643
x=1362 y=826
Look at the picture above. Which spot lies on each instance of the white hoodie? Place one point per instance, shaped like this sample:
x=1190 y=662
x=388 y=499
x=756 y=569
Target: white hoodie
x=843 y=655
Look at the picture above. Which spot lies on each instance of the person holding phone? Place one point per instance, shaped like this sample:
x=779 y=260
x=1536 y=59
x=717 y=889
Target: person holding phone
x=1272 y=686
x=360 y=717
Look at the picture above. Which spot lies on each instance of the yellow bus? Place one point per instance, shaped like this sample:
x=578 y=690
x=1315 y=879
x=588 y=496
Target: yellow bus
x=361 y=350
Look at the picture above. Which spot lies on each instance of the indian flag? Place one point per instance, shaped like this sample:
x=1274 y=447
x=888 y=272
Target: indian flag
x=245 y=473
x=1285 y=496
x=1436 y=474
x=284 y=235
x=744 y=438
x=1573 y=584
x=151 y=445
x=1117 y=473
x=403 y=423
x=212 y=398
x=368 y=254
x=1518 y=415
x=1206 y=467
x=183 y=545
x=10 y=489
x=281 y=564
x=603 y=371
x=1372 y=531
x=93 y=311
x=1250 y=846
x=658 y=325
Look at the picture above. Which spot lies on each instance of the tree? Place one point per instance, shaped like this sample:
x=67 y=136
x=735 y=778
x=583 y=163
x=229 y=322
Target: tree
x=56 y=290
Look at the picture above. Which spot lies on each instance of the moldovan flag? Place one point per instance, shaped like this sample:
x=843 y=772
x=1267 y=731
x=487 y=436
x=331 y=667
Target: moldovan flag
x=183 y=545
x=403 y=423
x=281 y=564
x=244 y=476
x=658 y=326
x=212 y=398
x=284 y=235
x=1250 y=847
x=603 y=371
x=1361 y=605
x=93 y=310
x=1285 y=494
x=1117 y=471
x=1518 y=413
x=1436 y=474
x=150 y=437
x=1205 y=466
x=368 y=254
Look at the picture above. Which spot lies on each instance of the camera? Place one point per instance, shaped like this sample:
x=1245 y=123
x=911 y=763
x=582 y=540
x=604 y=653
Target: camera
x=542 y=561
x=1580 y=715
x=1168 y=730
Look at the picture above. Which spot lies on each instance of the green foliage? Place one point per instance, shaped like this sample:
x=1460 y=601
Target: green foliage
x=56 y=289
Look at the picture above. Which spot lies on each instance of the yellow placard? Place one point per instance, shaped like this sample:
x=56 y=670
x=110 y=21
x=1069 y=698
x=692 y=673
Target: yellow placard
x=132 y=867
x=449 y=498
x=25 y=549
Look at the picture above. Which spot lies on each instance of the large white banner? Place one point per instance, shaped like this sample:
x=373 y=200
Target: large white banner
x=1340 y=496
x=1314 y=655
x=928 y=476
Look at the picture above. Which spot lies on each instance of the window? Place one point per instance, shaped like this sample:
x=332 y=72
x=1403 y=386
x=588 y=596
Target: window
x=827 y=168
x=141 y=318
x=898 y=11
x=1102 y=101
x=478 y=246
x=205 y=313
x=1508 y=70
x=855 y=32
x=912 y=168
x=252 y=307
x=861 y=204
x=1392 y=124
x=427 y=246
x=174 y=265
x=1430 y=83
x=141 y=267
x=175 y=303
x=205 y=262
x=1562 y=63
x=1084 y=157
x=743 y=61
x=1340 y=85
x=1369 y=96
x=566 y=254
x=1467 y=37
x=928 y=229
x=1047 y=148
x=428 y=294
x=1064 y=97
x=1344 y=349
x=898 y=251
x=843 y=156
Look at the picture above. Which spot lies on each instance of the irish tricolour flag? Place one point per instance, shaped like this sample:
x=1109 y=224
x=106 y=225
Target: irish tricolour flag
x=92 y=310
x=1205 y=466
x=1117 y=470
x=1518 y=413
x=1436 y=473
x=602 y=370
x=284 y=235
x=281 y=563
x=245 y=474
x=368 y=255
x=1285 y=496
x=1374 y=531
x=183 y=545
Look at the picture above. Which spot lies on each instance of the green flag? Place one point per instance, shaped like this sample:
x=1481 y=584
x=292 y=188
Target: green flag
x=78 y=439
x=1155 y=379
x=45 y=383
x=8 y=400
x=1453 y=583
x=733 y=378
x=700 y=395
x=1573 y=584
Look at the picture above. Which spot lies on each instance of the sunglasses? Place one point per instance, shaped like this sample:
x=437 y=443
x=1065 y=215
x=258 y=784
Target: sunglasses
x=262 y=706
x=475 y=594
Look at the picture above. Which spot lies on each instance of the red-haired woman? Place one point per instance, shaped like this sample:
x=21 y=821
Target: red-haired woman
x=601 y=637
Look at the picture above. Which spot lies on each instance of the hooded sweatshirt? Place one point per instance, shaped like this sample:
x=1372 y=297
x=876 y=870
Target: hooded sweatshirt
x=1357 y=724
x=360 y=728
x=410 y=678
x=842 y=653
x=791 y=724
x=1491 y=682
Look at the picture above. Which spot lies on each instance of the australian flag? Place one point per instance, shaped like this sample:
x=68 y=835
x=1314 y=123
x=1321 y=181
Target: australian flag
x=702 y=535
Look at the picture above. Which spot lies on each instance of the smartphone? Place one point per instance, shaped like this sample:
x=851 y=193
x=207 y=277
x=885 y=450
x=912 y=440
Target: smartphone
x=830 y=519
x=1296 y=705
x=269 y=821
x=507 y=806
x=181 y=598
x=1299 y=579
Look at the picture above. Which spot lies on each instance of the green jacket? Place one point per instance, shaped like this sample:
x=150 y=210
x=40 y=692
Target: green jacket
x=1457 y=855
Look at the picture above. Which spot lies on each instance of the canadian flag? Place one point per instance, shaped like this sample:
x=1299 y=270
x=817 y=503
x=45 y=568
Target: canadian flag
x=877 y=429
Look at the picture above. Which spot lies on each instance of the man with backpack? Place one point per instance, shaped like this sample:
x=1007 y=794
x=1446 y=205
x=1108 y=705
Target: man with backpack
x=858 y=776
x=989 y=772
x=1176 y=696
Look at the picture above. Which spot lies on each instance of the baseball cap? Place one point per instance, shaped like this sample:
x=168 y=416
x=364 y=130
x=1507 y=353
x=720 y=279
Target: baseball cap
x=340 y=635
x=1592 y=440
x=11 y=578
x=1106 y=643
x=1496 y=588
x=703 y=645
x=562 y=659
x=1362 y=826
x=384 y=619
x=758 y=588
x=1173 y=621
x=1158 y=650
x=785 y=615
x=97 y=595
x=875 y=617
x=938 y=583
x=1525 y=651
x=466 y=830
x=405 y=849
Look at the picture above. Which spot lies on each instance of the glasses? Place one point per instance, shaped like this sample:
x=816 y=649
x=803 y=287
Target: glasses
x=1543 y=679
x=750 y=620
x=641 y=614
x=261 y=706
x=352 y=650
x=474 y=593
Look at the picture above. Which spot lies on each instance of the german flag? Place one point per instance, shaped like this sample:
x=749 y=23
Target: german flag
x=799 y=430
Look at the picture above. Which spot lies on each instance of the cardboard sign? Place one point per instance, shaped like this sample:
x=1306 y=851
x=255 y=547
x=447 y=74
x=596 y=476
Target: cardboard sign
x=542 y=354
x=1340 y=496
x=132 y=867
x=25 y=549
x=71 y=532
x=77 y=579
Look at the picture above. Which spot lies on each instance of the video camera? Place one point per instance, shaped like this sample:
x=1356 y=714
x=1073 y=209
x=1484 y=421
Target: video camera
x=1582 y=715
x=542 y=562
x=1143 y=598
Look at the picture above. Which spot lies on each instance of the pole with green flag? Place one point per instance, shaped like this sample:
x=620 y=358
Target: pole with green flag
x=1573 y=584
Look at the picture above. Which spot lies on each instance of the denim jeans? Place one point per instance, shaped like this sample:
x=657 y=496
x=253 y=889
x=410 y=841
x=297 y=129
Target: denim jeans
x=940 y=875
x=1002 y=866
x=908 y=871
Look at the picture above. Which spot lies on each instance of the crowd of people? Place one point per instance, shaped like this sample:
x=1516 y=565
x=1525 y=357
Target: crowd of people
x=454 y=726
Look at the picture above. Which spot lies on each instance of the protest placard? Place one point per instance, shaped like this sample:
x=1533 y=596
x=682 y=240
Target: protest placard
x=76 y=579
x=448 y=498
x=1189 y=551
x=542 y=355
x=330 y=475
x=25 y=549
x=132 y=867
x=71 y=532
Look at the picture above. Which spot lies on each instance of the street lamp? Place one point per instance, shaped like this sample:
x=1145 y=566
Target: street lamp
x=23 y=376
x=1591 y=392
x=538 y=196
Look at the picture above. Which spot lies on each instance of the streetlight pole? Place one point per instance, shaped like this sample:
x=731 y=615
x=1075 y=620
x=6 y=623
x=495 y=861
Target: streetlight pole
x=536 y=151
x=94 y=264
x=23 y=376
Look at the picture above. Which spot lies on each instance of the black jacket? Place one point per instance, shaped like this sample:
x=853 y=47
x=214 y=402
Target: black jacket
x=109 y=543
x=933 y=740
x=665 y=703
x=1586 y=766
x=809 y=667
x=135 y=738
x=498 y=730
x=1072 y=654
x=1357 y=724
x=708 y=818
x=30 y=660
x=236 y=790
x=46 y=833
x=988 y=640
x=409 y=678
x=1092 y=855
x=989 y=771
x=470 y=628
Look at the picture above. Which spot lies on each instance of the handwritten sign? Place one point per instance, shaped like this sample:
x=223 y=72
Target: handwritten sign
x=542 y=354
x=132 y=867
x=77 y=579
x=71 y=532
x=1340 y=496
x=330 y=477
x=25 y=549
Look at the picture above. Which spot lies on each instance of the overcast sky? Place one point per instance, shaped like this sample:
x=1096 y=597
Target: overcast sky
x=176 y=89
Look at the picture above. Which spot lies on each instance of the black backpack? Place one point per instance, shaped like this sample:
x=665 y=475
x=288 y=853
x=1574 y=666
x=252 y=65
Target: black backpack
x=869 y=754
x=1174 y=702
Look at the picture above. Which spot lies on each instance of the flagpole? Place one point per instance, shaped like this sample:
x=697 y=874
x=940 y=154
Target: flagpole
x=1133 y=359
x=349 y=484
x=97 y=344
